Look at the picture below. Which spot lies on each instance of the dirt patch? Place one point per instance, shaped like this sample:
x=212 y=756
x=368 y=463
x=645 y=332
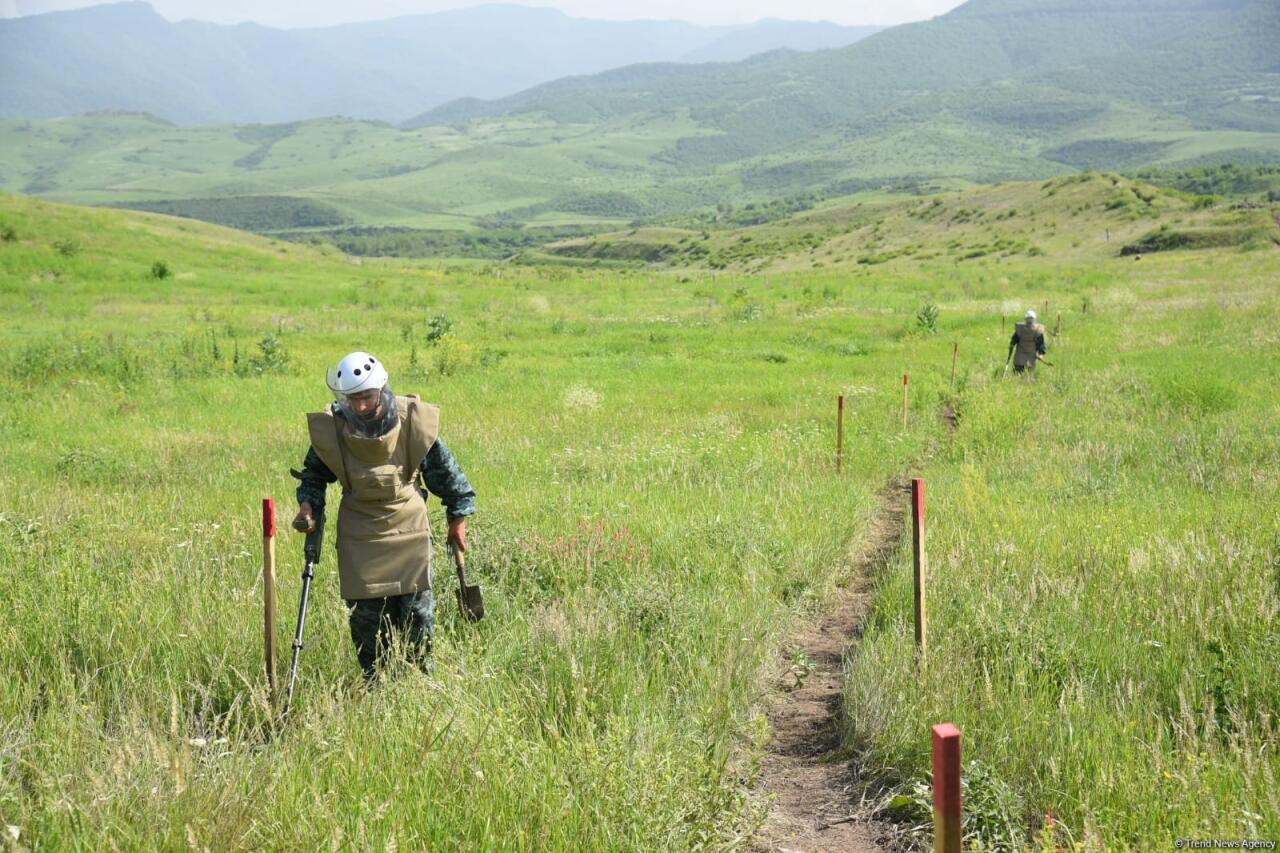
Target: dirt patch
x=813 y=790
x=950 y=417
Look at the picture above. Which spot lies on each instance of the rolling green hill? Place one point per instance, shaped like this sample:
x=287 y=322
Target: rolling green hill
x=993 y=91
x=1089 y=216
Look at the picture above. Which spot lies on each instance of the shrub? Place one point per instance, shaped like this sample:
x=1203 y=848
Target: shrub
x=272 y=357
x=927 y=318
x=68 y=248
x=7 y=234
x=160 y=270
x=439 y=327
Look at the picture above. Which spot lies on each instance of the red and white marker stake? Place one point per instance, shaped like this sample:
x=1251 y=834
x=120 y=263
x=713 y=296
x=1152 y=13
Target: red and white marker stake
x=269 y=590
x=918 y=563
x=947 y=813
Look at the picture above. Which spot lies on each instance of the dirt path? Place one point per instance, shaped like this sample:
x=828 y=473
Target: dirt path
x=812 y=791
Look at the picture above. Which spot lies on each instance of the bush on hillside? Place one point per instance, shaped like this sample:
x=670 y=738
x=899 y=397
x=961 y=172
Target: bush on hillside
x=68 y=248
x=927 y=318
x=272 y=356
x=439 y=328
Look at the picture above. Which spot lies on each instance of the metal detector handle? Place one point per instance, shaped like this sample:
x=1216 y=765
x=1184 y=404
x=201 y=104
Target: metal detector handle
x=311 y=550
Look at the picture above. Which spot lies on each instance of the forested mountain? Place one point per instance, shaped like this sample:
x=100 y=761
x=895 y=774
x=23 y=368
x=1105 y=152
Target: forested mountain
x=1208 y=61
x=995 y=90
x=124 y=56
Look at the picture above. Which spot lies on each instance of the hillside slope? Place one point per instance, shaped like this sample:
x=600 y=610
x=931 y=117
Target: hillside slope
x=1086 y=217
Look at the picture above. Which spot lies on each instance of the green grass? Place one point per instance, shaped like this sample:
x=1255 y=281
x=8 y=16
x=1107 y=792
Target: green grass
x=658 y=509
x=1102 y=574
x=645 y=542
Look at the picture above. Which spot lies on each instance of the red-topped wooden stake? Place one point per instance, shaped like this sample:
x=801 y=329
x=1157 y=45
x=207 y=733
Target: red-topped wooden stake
x=268 y=518
x=918 y=562
x=947 y=806
x=269 y=590
x=904 y=401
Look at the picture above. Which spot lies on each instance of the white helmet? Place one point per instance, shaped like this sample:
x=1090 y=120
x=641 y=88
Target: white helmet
x=358 y=372
x=1030 y=318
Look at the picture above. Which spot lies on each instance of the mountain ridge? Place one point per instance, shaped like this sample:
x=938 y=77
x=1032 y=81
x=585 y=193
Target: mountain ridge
x=964 y=98
x=126 y=56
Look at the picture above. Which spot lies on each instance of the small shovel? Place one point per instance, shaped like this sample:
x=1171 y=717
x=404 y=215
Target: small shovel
x=470 y=601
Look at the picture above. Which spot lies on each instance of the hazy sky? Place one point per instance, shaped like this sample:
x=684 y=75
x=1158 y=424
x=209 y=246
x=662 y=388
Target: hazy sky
x=313 y=13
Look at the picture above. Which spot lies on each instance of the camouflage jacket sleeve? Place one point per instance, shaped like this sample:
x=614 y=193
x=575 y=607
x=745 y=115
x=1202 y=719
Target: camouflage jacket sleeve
x=444 y=479
x=314 y=478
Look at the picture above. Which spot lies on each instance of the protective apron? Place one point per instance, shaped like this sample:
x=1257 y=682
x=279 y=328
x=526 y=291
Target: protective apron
x=384 y=540
x=1025 y=353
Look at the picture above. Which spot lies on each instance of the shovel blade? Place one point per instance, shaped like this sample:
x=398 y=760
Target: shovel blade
x=471 y=603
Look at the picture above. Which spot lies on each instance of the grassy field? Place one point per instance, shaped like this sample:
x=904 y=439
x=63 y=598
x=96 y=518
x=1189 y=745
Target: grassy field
x=657 y=506
x=658 y=509
x=1105 y=572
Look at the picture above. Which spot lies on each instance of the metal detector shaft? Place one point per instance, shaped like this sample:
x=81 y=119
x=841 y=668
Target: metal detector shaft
x=311 y=558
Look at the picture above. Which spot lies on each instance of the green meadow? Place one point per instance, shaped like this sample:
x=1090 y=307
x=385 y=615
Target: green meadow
x=1104 y=561
x=658 y=512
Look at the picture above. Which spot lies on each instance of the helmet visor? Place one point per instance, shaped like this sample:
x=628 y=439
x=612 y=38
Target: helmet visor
x=369 y=415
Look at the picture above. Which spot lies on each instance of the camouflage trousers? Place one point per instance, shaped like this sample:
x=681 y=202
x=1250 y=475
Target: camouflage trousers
x=377 y=622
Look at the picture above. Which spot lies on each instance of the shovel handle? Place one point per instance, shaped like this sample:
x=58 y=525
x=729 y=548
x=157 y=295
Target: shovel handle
x=459 y=563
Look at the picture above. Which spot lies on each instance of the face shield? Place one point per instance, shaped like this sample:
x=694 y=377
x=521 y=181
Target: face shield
x=370 y=413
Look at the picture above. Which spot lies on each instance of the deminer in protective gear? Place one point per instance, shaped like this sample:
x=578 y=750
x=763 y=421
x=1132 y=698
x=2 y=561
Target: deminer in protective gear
x=1026 y=347
x=376 y=445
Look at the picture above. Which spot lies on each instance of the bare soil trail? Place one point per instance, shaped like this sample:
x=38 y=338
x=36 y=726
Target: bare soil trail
x=811 y=789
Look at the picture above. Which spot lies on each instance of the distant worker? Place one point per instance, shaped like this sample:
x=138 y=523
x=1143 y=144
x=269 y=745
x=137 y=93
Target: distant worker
x=1026 y=347
x=376 y=444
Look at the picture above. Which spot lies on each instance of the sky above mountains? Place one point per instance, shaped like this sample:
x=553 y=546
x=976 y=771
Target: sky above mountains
x=318 y=13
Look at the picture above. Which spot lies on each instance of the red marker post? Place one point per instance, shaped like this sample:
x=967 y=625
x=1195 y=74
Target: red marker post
x=947 y=814
x=839 y=433
x=918 y=561
x=269 y=590
x=904 y=402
